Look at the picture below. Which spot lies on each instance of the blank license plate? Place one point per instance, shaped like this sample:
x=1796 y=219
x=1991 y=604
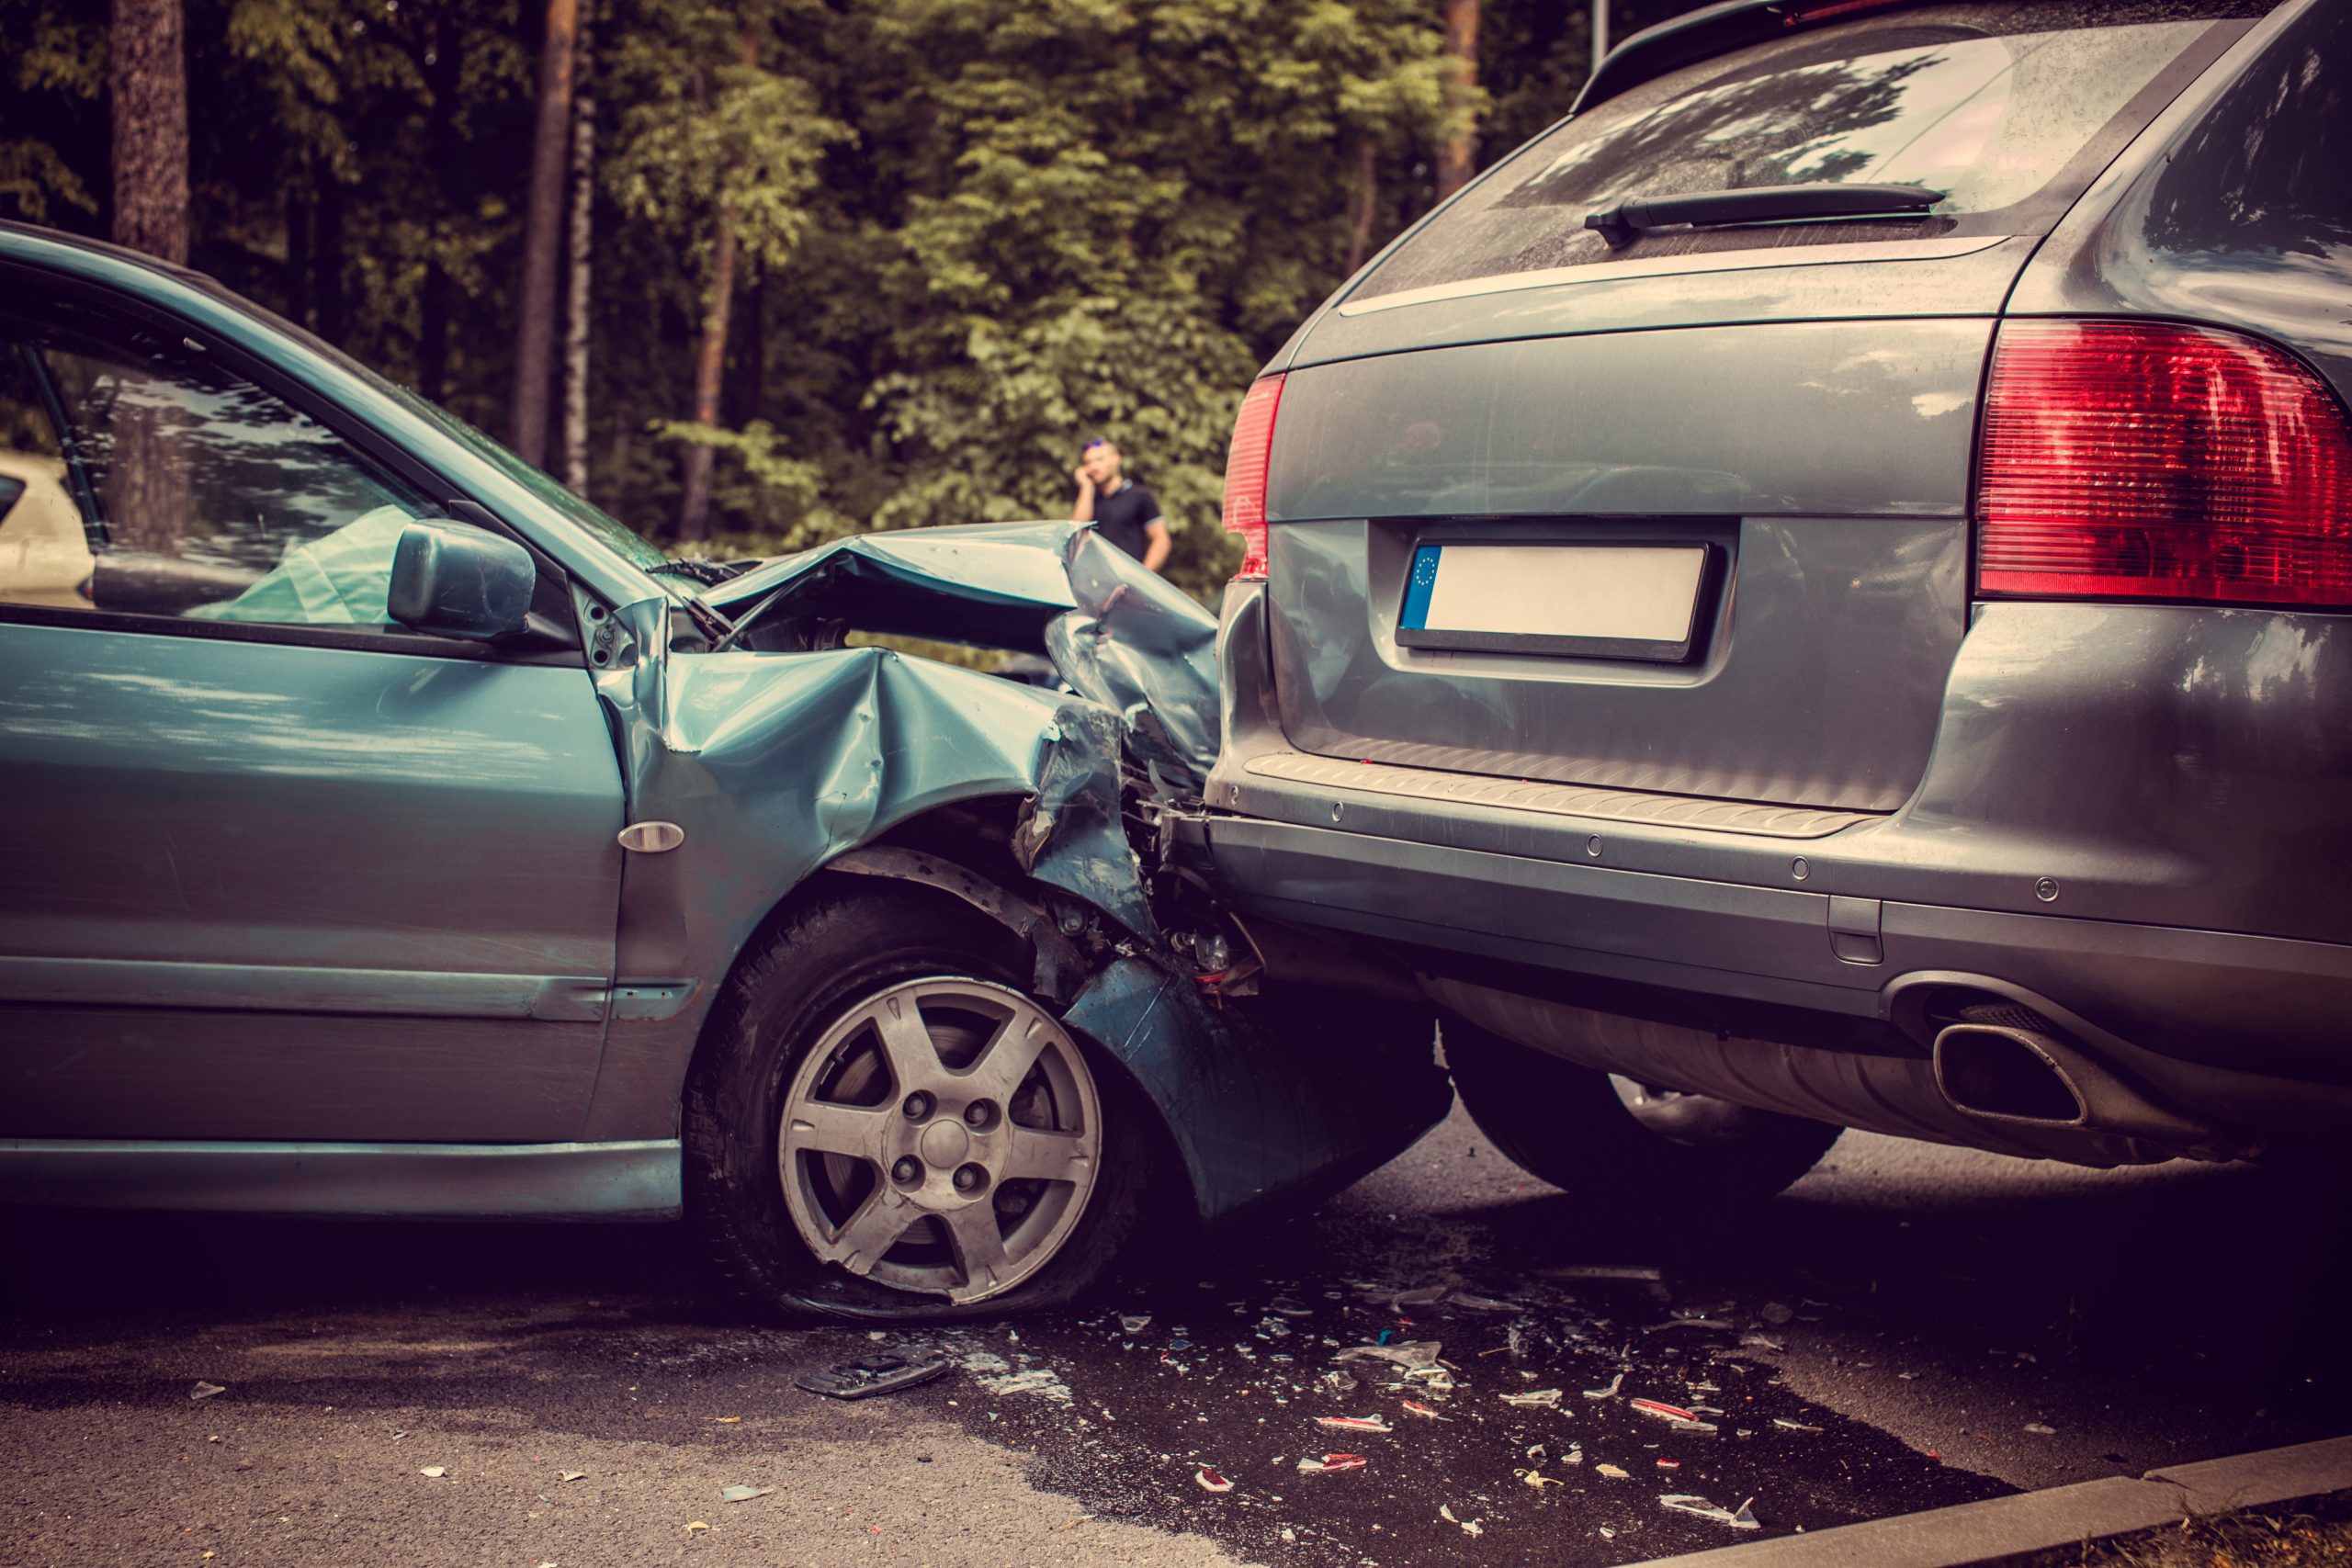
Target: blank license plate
x=1600 y=601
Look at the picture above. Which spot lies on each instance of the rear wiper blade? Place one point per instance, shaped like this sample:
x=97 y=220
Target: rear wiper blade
x=1621 y=224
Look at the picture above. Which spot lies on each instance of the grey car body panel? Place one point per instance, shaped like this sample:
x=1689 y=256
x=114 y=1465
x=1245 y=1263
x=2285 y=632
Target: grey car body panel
x=2128 y=818
x=1598 y=426
x=360 y=892
x=2222 y=998
x=472 y=1181
x=1889 y=281
x=1843 y=583
x=2192 y=223
x=2153 y=765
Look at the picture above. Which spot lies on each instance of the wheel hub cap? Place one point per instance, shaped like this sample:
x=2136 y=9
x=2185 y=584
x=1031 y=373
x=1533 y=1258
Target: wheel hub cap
x=874 y=1137
x=945 y=1144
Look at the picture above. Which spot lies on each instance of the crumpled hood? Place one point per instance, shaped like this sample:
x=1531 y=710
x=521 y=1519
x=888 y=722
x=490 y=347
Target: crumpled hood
x=1117 y=634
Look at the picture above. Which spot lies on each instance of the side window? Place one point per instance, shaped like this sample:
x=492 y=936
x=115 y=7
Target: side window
x=154 y=482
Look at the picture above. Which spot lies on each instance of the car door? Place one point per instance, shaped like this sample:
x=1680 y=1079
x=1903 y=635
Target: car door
x=276 y=868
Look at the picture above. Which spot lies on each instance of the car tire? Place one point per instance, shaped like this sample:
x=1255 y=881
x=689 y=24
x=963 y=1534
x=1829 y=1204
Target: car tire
x=1571 y=1126
x=845 y=1172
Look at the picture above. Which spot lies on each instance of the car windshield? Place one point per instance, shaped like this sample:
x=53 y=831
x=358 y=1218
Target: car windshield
x=2007 y=109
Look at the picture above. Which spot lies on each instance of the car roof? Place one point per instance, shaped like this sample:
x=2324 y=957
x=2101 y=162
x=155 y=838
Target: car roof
x=1715 y=30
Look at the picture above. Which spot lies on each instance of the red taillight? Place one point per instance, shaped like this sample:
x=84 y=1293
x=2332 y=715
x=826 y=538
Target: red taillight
x=2146 y=461
x=1245 y=474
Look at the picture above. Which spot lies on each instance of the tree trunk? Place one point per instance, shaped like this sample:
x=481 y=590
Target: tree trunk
x=442 y=62
x=751 y=388
x=326 y=258
x=299 y=204
x=710 y=359
x=1367 y=201
x=534 y=303
x=1458 y=159
x=147 y=75
x=578 y=293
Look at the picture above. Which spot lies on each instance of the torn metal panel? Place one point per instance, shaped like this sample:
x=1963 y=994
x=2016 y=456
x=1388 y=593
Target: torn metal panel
x=994 y=585
x=789 y=760
x=1294 y=1094
x=1139 y=645
x=1118 y=634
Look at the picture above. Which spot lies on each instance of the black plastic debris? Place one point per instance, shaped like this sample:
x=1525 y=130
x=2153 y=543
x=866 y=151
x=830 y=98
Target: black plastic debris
x=870 y=1375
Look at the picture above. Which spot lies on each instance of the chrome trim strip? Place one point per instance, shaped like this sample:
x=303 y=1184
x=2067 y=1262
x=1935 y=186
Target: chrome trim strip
x=1557 y=799
x=287 y=987
x=524 y=1182
x=1759 y=259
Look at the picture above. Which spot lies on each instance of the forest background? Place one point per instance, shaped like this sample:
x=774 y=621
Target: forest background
x=754 y=275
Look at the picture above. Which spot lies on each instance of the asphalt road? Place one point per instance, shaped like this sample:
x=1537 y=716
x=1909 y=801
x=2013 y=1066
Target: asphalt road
x=1889 y=1335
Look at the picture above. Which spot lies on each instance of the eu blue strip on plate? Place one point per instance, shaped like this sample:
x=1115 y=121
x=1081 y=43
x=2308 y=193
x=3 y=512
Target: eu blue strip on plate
x=1417 y=586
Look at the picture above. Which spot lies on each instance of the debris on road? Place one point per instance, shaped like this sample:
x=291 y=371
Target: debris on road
x=1212 y=1480
x=1329 y=1462
x=434 y=1472
x=1411 y=1355
x=1786 y=1424
x=1537 y=1479
x=2039 y=1430
x=1043 y=1381
x=1415 y=1407
x=693 y=1525
x=886 y=1373
x=572 y=1475
x=1741 y=1519
x=1609 y=1391
x=1356 y=1422
x=205 y=1389
x=1611 y=1472
x=1534 y=1399
x=1134 y=1323
x=1775 y=1312
x=1661 y=1409
x=742 y=1494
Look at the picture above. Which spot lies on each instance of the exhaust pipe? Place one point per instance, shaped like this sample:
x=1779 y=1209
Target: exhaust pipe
x=2028 y=1077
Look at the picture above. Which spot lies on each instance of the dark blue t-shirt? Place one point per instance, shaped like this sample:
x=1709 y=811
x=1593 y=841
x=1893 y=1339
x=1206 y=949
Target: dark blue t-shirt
x=1122 y=518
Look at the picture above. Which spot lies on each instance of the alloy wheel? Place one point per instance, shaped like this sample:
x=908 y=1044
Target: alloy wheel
x=942 y=1136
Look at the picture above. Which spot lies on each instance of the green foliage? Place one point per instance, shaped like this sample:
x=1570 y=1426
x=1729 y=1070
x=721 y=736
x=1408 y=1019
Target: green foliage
x=974 y=233
x=703 y=133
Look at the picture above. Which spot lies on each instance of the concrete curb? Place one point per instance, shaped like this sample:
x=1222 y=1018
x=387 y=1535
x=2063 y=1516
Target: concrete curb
x=2061 y=1516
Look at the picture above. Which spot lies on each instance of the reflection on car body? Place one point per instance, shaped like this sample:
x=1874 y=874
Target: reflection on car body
x=414 y=841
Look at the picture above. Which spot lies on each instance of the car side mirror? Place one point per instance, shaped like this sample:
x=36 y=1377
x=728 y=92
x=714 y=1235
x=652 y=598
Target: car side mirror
x=452 y=580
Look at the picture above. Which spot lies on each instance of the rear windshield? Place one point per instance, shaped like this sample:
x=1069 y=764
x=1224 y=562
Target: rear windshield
x=2009 y=109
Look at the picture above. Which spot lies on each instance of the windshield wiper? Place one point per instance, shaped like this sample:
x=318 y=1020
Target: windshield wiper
x=1623 y=223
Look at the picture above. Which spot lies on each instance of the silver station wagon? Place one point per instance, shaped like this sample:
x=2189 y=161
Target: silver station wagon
x=1814 y=595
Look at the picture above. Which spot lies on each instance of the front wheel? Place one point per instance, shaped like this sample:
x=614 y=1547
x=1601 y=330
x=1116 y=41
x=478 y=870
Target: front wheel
x=884 y=1123
x=1574 y=1126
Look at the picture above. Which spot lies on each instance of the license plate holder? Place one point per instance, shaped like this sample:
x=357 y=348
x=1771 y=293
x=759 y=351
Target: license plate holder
x=1611 y=600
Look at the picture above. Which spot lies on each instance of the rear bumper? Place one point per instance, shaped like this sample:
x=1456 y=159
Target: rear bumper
x=1814 y=934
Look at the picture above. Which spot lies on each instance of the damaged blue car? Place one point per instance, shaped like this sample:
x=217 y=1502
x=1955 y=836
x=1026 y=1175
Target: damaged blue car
x=397 y=835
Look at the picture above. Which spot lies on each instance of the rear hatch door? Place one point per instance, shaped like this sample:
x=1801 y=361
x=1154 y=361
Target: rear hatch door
x=1684 y=509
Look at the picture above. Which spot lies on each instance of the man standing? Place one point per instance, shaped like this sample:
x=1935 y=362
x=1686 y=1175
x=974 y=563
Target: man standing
x=1121 y=510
